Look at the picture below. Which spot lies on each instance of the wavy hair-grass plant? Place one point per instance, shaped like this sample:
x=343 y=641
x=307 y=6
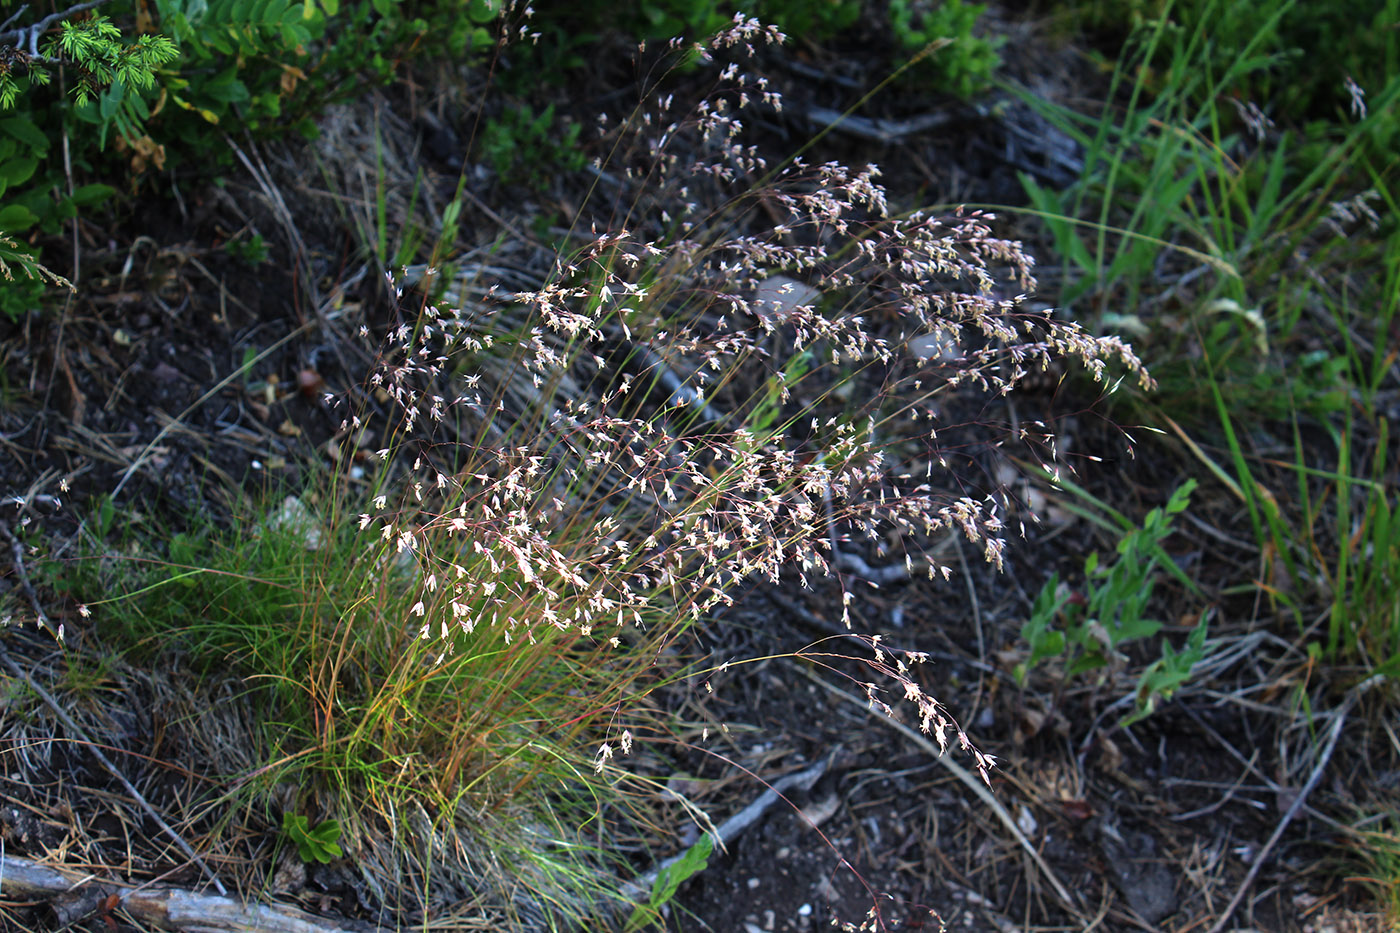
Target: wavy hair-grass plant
x=601 y=459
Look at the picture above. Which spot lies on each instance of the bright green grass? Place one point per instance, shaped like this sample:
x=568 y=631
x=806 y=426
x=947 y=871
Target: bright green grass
x=1262 y=296
x=358 y=712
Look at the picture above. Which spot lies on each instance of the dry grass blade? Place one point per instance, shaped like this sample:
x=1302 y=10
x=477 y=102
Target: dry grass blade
x=284 y=216
x=972 y=781
x=213 y=391
x=1298 y=801
x=17 y=550
x=77 y=732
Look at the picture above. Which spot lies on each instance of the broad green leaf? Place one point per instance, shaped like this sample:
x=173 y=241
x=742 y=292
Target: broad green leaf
x=15 y=218
x=89 y=195
x=23 y=129
x=17 y=171
x=669 y=879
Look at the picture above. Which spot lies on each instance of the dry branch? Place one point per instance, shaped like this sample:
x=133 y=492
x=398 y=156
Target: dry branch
x=77 y=895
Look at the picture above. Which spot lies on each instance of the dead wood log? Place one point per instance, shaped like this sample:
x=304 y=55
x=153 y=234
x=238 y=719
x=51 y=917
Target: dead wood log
x=76 y=895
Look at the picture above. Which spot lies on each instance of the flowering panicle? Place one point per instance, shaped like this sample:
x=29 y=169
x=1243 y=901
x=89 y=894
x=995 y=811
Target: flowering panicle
x=653 y=421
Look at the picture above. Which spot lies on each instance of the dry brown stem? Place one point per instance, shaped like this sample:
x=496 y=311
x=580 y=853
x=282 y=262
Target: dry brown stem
x=76 y=896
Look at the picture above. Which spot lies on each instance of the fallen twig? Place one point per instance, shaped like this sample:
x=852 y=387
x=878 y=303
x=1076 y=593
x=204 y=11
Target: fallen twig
x=166 y=908
x=880 y=576
x=729 y=830
x=997 y=919
x=881 y=131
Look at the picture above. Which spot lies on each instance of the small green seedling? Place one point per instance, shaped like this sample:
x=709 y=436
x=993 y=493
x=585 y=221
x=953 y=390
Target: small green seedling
x=668 y=880
x=252 y=252
x=316 y=844
x=1087 y=628
x=1168 y=672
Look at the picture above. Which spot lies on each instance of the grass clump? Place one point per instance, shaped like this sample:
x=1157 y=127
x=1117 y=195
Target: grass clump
x=1260 y=265
x=451 y=658
x=352 y=720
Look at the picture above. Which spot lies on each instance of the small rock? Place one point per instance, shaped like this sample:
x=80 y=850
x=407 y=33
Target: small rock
x=1144 y=880
x=294 y=516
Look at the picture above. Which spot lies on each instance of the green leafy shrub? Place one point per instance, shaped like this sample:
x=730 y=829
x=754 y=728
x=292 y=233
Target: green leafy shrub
x=959 y=62
x=273 y=65
x=112 y=78
x=150 y=88
x=102 y=64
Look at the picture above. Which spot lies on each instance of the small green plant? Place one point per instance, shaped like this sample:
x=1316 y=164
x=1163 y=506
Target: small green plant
x=314 y=843
x=23 y=294
x=963 y=63
x=1088 y=628
x=251 y=251
x=668 y=881
x=526 y=148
